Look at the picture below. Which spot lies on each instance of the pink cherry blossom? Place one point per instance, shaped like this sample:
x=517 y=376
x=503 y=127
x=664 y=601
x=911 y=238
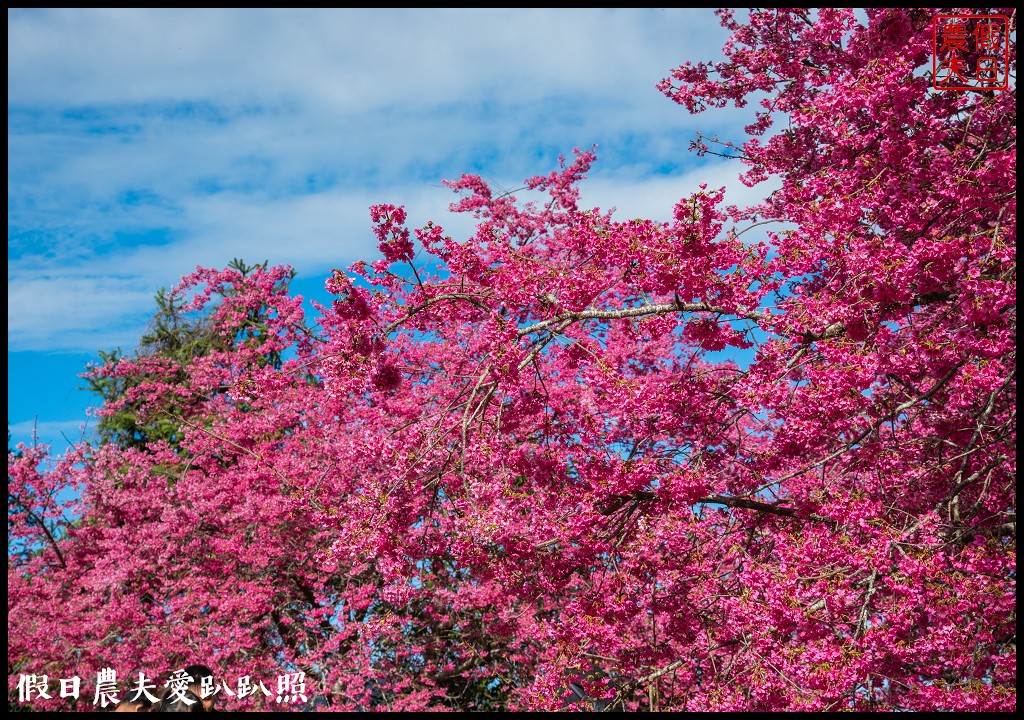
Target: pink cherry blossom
x=500 y=465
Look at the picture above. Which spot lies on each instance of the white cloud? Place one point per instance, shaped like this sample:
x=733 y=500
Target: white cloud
x=54 y=433
x=655 y=197
x=351 y=59
x=142 y=142
x=62 y=312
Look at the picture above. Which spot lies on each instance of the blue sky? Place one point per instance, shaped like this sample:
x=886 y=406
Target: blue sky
x=142 y=143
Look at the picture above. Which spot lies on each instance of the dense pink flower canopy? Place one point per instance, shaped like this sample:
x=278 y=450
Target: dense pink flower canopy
x=515 y=468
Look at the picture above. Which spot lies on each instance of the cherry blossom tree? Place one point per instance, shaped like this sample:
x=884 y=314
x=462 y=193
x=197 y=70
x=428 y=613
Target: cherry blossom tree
x=749 y=459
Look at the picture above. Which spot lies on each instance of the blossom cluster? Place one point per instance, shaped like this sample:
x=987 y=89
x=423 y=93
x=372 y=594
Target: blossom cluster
x=575 y=458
